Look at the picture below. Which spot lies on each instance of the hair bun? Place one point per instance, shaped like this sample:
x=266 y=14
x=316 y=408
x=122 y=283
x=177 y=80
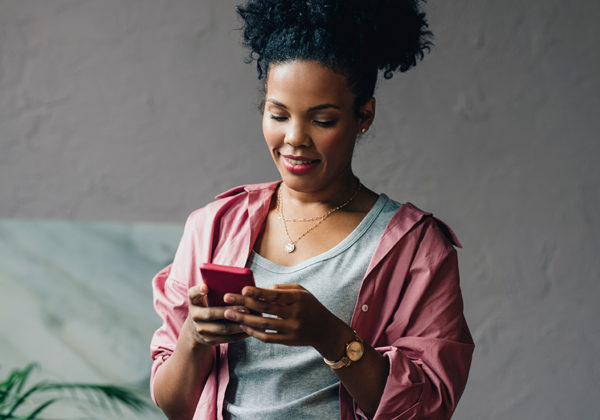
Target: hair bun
x=388 y=34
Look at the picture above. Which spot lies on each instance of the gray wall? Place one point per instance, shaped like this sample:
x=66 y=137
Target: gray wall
x=143 y=110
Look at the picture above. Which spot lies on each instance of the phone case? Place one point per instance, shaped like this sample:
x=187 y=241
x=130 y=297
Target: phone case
x=222 y=279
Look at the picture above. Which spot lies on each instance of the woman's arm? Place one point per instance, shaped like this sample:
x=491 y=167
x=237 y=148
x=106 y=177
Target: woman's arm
x=427 y=341
x=180 y=380
x=304 y=321
x=365 y=379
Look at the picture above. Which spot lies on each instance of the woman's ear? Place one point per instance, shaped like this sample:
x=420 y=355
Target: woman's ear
x=366 y=114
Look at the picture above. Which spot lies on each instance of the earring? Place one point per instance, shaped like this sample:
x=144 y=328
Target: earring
x=363 y=130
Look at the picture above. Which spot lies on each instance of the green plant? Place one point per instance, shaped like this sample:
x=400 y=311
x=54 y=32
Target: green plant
x=17 y=401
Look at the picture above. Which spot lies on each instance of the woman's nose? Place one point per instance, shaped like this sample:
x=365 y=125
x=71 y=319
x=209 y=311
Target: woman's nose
x=297 y=135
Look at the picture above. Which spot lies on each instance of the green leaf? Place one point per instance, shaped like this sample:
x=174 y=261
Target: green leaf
x=21 y=399
x=12 y=387
x=110 y=393
x=40 y=408
x=14 y=396
x=24 y=375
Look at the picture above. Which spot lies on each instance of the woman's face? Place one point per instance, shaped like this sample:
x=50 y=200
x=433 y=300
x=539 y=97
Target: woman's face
x=310 y=125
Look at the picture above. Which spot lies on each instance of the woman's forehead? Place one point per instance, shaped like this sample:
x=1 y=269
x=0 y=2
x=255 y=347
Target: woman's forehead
x=307 y=83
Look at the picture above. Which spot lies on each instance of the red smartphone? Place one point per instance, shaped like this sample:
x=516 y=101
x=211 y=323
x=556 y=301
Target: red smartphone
x=222 y=279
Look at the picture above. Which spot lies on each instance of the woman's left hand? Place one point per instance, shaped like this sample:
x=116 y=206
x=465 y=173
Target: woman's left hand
x=301 y=319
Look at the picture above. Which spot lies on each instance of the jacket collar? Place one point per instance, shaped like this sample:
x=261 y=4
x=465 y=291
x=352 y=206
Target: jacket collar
x=259 y=196
x=259 y=202
x=265 y=187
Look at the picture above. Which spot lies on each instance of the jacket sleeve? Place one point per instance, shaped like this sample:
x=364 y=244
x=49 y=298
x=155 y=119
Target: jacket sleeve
x=170 y=288
x=170 y=303
x=426 y=339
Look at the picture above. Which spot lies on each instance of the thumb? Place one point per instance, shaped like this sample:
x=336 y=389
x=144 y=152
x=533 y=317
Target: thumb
x=197 y=295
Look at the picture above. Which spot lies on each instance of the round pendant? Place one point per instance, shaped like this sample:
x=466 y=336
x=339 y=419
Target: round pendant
x=290 y=247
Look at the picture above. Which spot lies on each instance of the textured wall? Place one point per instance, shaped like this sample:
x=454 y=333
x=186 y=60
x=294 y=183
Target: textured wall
x=143 y=110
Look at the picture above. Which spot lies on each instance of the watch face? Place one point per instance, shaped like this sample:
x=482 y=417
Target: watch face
x=354 y=351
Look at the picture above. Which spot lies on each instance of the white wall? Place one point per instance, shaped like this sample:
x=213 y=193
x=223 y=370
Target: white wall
x=143 y=110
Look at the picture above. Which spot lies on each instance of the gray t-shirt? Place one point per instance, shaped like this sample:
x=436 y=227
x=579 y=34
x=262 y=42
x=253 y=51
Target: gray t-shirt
x=273 y=381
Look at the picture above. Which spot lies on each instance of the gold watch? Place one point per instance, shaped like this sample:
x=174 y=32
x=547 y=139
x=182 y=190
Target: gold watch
x=354 y=352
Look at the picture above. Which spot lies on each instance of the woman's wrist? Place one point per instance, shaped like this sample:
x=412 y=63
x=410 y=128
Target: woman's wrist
x=188 y=339
x=334 y=339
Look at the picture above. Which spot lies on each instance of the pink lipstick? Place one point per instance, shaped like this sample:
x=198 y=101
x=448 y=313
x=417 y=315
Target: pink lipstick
x=298 y=164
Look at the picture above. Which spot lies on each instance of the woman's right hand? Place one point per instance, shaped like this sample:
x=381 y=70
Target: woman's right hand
x=179 y=382
x=207 y=325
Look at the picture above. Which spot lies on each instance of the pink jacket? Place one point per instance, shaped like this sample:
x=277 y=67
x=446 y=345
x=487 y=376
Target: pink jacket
x=409 y=307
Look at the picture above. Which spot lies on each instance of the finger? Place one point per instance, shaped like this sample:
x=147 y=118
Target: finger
x=267 y=337
x=280 y=296
x=260 y=306
x=197 y=295
x=212 y=339
x=233 y=299
x=262 y=323
x=223 y=328
x=213 y=313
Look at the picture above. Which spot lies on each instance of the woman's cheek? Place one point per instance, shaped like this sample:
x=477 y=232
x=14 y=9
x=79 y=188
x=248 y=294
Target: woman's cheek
x=270 y=133
x=339 y=140
x=265 y=126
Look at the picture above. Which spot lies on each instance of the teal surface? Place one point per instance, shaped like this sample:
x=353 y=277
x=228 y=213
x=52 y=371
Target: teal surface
x=76 y=297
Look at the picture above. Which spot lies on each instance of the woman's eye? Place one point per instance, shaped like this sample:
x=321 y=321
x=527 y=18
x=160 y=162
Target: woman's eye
x=330 y=123
x=278 y=118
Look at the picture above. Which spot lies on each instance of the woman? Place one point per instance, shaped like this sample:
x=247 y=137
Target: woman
x=361 y=294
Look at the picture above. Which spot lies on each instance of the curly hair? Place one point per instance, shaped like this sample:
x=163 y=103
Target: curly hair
x=356 y=38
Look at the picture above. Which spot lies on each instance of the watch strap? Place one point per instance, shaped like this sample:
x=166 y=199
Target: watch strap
x=345 y=361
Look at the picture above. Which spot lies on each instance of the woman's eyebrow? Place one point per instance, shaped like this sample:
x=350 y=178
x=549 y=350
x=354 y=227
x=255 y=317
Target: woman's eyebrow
x=322 y=106
x=313 y=108
x=279 y=104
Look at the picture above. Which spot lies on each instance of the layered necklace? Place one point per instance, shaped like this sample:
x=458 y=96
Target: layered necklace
x=291 y=245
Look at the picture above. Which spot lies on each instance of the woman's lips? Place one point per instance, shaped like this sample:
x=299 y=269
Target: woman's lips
x=298 y=164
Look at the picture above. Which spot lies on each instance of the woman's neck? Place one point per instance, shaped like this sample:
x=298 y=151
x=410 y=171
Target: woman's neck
x=314 y=203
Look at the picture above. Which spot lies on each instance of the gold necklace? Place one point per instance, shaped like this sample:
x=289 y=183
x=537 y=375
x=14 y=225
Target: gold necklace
x=321 y=217
x=291 y=245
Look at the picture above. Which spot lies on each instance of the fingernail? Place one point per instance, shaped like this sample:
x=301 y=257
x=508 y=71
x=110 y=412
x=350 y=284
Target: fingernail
x=242 y=310
x=228 y=299
x=243 y=328
x=229 y=314
x=247 y=292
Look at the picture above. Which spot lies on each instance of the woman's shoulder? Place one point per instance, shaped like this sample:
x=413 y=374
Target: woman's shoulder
x=249 y=188
x=410 y=219
x=234 y=199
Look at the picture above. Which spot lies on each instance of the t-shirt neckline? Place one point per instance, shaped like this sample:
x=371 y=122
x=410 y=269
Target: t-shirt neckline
x=343 y=245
